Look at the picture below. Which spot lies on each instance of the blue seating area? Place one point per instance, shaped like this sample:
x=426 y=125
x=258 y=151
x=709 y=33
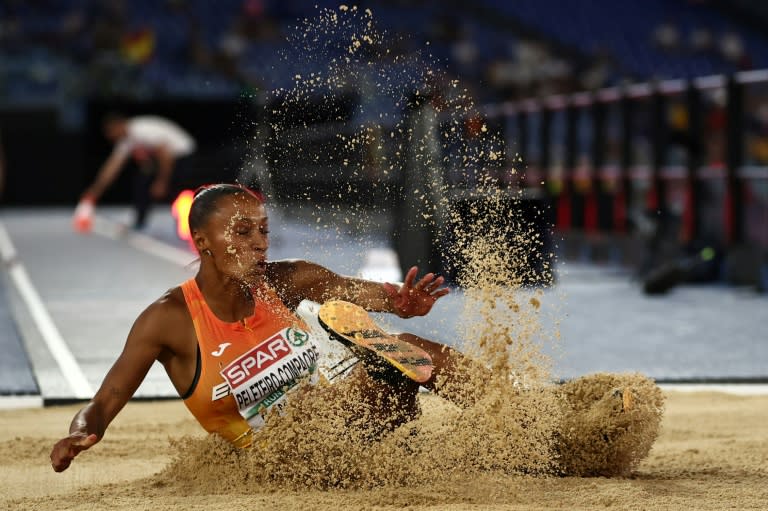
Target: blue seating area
x=626 y=30
x=53 y=48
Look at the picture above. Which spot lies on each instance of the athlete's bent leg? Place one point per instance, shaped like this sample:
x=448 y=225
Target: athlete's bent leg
x=455 y=376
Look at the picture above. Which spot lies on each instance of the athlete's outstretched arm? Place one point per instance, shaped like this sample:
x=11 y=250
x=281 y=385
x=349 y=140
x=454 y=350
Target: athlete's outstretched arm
x=141 y=349
x=299 y=280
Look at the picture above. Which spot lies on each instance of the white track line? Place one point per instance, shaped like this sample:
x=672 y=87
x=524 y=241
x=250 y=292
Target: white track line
x=56 y=344
x=113 y=230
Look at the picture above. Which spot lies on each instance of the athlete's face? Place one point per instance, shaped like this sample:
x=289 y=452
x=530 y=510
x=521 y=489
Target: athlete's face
x=237 y=236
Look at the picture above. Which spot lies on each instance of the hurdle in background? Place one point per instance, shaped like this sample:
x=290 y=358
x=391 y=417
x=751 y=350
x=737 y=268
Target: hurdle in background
x=684 y=159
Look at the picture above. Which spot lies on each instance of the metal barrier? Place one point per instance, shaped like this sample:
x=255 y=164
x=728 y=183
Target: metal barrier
x=697 y=150
x=685 y=159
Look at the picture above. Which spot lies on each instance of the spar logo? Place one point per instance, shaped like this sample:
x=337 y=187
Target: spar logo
x=256 y=360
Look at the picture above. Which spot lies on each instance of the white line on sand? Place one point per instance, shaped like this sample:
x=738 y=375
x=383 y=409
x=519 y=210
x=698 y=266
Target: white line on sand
x=17 y=402
x=56 y=344
x=738 y=389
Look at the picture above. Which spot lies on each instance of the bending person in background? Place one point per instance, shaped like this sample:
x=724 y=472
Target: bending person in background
x=156 y=144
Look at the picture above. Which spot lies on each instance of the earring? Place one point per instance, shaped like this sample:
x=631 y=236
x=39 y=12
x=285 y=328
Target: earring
x=207 y=252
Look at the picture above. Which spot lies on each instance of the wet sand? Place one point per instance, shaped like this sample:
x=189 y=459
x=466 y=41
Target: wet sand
x=712 y=453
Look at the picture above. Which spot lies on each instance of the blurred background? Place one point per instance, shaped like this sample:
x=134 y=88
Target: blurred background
x=643 y=126
x=631 y=135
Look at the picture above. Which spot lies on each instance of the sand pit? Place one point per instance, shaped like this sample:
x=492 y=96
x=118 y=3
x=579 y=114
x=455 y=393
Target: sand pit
x=712 y=453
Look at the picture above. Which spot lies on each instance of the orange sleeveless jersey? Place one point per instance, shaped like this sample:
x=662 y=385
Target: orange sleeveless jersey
x=221 y=347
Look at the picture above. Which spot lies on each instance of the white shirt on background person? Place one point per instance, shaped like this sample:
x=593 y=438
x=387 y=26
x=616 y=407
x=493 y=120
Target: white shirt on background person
x=153 y=132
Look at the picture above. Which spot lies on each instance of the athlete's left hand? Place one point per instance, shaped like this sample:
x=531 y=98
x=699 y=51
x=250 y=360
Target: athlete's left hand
x=417 y=299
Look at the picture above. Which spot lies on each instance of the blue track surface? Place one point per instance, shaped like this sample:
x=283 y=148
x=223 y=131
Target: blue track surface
x=93 y=287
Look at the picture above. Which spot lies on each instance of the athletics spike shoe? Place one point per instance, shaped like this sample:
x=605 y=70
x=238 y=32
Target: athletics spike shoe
x=352 y=326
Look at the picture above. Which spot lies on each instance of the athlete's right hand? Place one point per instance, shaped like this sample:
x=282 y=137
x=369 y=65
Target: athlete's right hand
x=65 y=450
